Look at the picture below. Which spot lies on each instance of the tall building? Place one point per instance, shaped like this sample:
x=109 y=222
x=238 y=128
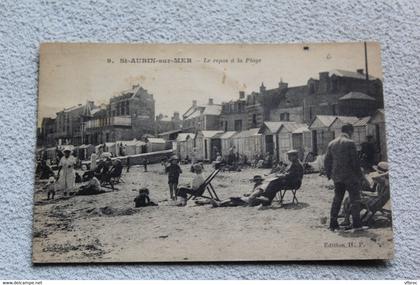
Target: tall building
x=129 y=115
x=70 y=124
x=234 y=114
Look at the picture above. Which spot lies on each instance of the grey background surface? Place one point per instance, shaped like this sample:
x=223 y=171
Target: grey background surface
x=25 y=24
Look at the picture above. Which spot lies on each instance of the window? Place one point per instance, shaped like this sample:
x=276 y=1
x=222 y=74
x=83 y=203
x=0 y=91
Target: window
x=127 y=107
x=254 y=120
x=226 y=126
x=238 y=125
x=284 y=116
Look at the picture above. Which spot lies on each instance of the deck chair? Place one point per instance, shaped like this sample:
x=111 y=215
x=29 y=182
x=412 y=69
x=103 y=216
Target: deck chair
x=200 y=192
x=282 y=193
x=374 y=204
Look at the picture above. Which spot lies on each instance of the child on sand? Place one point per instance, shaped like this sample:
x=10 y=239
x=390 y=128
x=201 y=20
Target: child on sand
x=50 y=187
x=173 y=170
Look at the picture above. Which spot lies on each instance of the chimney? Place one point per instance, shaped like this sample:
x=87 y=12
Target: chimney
x=323 y=81
x=176 y=116
x=241 y=94
x=283 y=85
x=210 y=101
x=194 y=103
x=360 y=71
x=262 y=87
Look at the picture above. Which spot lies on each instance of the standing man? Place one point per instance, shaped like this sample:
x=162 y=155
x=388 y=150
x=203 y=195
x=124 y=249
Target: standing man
x=343 y=167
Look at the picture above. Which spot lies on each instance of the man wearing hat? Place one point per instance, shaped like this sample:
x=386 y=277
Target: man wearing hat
x=342 y=165
x=290 y=178
x=66 y=173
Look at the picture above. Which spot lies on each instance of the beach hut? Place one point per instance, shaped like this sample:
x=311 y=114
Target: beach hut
x=378 y=122
x=278 y=138
x=321 y=133
x=270 y=140
x=340 y=121
x=226 y=142
x=110 y=147
x=301 y=138
x=155 y=144
x=206 y=145
x=285 y=139
x=85 y=151
x=362 y=129
x=126 y=147
x=141 y=147
x=248 y=143
x=184 y=145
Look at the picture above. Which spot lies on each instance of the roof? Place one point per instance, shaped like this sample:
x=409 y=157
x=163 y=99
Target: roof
x=226 y=135
x=357 y=96
x=274 y=127
x=292 y=126
x=247 y=133
x=362 y=122
x=213 y=109
x=132 y=142
x=156 y=140
x=300 y=130
x=184 y=136
x=210 y=134
x=325 y=120
x=352 y=74
x=347 y=119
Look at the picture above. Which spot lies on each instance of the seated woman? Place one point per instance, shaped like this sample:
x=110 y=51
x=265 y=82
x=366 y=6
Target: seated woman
x=371 y=203
x=93 y=186
x=195 y=184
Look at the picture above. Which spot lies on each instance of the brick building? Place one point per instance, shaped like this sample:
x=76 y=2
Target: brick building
x=47 y=132
x=234 y=115
x=127 y=116
x=204 y=117
x=70 y=124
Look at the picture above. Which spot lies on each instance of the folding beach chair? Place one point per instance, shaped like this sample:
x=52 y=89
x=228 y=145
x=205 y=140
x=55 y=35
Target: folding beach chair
x=206 y=186
x=282 y=192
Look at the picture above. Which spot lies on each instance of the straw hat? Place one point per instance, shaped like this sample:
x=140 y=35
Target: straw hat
x=292 y=151
x=174 y=157
x=382 y=167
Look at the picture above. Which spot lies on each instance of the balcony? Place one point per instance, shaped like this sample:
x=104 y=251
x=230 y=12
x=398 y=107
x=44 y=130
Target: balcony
x=121 y=121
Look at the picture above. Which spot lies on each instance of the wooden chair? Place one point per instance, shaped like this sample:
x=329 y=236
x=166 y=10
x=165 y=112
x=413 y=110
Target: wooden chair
x=282 y=193
x=200 y=192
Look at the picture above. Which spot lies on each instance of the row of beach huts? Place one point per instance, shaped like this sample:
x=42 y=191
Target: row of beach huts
x=277 y=138
x=118 y=148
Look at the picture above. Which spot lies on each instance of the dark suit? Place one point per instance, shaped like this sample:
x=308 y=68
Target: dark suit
x=342 y=165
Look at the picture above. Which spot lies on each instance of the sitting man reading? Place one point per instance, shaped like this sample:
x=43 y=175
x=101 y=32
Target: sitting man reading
x=290 y=178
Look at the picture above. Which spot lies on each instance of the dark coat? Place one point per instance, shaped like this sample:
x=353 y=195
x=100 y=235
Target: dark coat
x=342 y=163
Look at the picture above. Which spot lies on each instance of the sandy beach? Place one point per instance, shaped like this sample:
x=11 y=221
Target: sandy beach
x=107 y=227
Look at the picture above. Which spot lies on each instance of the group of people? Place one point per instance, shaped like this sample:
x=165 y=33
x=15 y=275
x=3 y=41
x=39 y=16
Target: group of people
x=342 y=165
x=102 y=172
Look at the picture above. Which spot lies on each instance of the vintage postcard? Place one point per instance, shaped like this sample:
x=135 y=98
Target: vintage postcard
x=224 y=152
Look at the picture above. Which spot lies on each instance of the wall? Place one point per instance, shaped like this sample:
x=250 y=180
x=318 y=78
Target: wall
x=24 y=24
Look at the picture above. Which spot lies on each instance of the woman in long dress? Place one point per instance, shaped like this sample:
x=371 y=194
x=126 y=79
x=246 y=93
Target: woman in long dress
x=66 y=173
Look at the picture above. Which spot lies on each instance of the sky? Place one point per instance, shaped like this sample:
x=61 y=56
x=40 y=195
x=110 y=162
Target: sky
x=72 y=74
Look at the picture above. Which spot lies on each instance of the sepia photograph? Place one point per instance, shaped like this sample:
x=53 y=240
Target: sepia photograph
x=211 y=153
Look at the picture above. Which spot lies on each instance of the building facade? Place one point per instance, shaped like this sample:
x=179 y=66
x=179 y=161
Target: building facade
x=202 y=117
